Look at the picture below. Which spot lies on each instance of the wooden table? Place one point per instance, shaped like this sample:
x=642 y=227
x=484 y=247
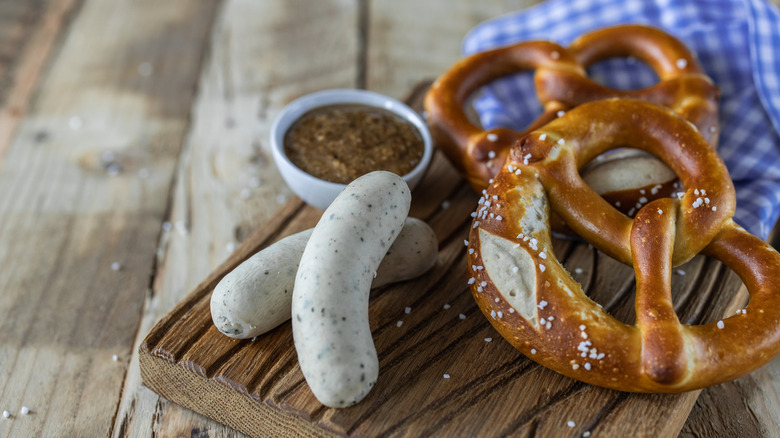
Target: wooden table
x=135 y=159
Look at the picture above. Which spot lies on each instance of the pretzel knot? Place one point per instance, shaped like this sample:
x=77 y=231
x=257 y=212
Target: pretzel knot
x=539 y=308
x=561 y=83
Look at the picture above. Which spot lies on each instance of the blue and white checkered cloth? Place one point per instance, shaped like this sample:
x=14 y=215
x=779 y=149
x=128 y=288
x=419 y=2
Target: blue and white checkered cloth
x=737 y=43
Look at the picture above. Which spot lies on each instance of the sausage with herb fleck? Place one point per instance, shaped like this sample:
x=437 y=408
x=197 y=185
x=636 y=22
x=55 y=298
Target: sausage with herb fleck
x=256 y=296
x=330 y=300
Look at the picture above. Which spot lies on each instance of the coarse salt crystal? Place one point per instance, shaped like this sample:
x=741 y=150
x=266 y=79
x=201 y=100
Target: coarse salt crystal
x=720 y=324
x=408 y=310
x=446 y=306
x=542 y=304
x=6 y=414
x=398 y=324
x=116 y=266
x=543 y=137
x=560 y=113
x=533 y=351
x=491 y=155
x=462 y=316
x=76 y=122
x=488 y=339
x=446 y=376
x=578 y=270
x=492 y=137
x=25 y=410
x=570 y=423
x=542 y=267
x=682 y=63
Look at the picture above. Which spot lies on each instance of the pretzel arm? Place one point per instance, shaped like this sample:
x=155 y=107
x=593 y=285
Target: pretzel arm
x=475 y=153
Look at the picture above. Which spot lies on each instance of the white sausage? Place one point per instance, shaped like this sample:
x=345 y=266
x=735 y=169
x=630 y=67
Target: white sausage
x=330 y=300
x=256 y=296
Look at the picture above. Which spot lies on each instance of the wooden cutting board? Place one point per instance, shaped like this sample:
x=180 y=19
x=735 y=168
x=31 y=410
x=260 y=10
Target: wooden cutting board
x=444 y=371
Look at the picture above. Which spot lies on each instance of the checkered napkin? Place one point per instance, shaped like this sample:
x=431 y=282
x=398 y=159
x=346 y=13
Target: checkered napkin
x=737 y=43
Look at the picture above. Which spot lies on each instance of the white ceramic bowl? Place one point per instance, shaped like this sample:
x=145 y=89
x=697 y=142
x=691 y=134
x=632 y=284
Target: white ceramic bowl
x=318 y=192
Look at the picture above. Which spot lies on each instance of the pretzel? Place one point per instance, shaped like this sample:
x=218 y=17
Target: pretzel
x=561 y=83
x=535 y=304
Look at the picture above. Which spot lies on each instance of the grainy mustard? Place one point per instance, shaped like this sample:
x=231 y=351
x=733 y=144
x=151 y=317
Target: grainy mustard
x=339 y=143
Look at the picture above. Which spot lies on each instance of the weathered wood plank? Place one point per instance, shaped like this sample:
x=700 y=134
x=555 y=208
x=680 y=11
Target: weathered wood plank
x=409 y=41
x=29 y=31
x=85 y=184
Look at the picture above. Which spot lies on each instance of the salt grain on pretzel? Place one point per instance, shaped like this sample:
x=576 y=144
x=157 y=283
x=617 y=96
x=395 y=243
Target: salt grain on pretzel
x=658 y=354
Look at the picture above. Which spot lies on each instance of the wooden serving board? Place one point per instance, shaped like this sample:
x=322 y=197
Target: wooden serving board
x=444 y=371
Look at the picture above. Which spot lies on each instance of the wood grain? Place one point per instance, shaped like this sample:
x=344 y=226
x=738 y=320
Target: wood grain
x=188 y=361
x=67 y=214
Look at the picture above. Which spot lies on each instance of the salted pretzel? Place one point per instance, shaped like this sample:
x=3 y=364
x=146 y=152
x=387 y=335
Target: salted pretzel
x=535 y=304
x=562 y=83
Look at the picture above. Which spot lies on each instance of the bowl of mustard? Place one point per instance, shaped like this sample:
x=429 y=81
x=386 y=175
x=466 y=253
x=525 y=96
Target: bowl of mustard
x=324 y=140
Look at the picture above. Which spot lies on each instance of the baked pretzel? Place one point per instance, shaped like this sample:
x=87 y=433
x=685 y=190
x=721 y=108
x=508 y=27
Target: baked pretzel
x=561 y=83
x=476 y=153
x=535 y=304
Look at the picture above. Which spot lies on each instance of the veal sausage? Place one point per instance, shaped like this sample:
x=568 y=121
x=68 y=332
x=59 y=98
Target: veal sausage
x=332 y=337
x=256 y=296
